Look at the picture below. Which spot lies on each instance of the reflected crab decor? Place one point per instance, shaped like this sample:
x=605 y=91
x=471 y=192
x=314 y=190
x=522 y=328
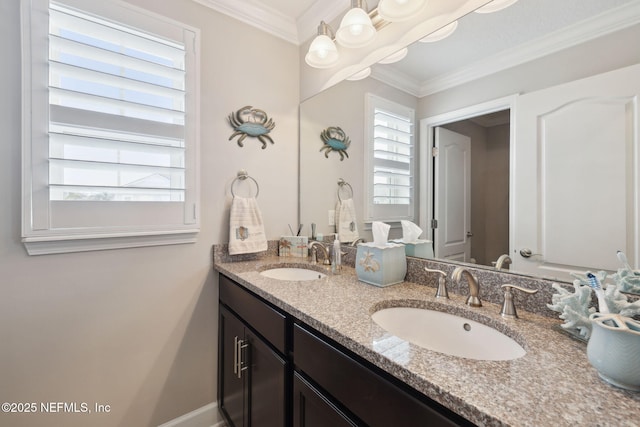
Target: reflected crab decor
x=335 y=139
x=249 y=121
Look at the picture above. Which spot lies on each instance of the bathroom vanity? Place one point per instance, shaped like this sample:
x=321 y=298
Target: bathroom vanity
x=307 y=353
x=257 y=368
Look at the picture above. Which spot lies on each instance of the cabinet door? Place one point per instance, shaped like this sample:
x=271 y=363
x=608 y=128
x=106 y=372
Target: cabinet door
x=311 y=409
x=231 y=398
x=267 y=377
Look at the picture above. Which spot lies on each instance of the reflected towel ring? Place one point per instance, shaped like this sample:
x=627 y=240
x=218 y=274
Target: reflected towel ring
x=243 y=175
x=341 y=184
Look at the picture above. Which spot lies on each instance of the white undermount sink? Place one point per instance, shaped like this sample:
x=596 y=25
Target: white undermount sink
x=447 y=333
x=292 y=274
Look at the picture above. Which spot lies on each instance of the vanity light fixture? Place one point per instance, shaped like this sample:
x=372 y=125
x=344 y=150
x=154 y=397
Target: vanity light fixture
x=399 y=10
x=360 y=75
x=495 y=6
x=356 y=29
x=440 y=34
x=323 y=52
x=395 y=57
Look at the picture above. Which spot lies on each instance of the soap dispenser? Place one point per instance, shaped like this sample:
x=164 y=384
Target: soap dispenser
x=336 y=261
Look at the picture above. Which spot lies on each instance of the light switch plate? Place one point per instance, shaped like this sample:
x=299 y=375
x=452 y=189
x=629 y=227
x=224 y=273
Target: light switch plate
x=332 y=217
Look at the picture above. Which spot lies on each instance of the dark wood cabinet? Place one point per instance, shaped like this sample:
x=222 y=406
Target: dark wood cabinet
x=373 y=396
x=312 y=409
x=231 y=386
x=274 y=370
x=252 y=375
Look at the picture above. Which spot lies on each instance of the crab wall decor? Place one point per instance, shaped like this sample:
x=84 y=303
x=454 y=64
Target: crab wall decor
x=249 y=121
x=335 y=139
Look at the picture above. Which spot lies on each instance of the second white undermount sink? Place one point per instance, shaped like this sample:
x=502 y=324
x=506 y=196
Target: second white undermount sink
x=447 y=333
x=292 y=274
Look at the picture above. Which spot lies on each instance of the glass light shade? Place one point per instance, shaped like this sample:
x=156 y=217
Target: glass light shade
x=399 y=10
x=395 y=57
x=322 y=52
x=495 y=6
x=440 y=34
x=356 y=29
x=360 y=74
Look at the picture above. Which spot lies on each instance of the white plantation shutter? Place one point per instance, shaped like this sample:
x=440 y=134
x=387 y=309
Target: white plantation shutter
x=390 y=160
x=104 y=79
x=112 y=135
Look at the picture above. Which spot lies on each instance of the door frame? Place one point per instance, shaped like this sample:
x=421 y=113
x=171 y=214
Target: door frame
x=425 y=187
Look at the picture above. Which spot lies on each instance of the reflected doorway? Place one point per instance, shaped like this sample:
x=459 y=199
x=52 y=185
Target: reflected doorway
x=488 y=228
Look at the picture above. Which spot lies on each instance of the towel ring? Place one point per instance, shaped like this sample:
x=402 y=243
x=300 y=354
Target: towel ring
x=243 y=175
x=341 y=184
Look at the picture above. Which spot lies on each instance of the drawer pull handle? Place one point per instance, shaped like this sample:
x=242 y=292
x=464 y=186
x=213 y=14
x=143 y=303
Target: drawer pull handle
x=238 y=346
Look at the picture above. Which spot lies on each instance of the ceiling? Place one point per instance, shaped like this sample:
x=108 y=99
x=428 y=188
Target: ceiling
x=482 y=41
x=525 y=29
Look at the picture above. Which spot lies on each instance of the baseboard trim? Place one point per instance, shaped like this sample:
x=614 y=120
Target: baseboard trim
x=206 y=416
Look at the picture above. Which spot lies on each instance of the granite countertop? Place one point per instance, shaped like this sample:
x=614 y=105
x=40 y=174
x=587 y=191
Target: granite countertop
x=552 y=385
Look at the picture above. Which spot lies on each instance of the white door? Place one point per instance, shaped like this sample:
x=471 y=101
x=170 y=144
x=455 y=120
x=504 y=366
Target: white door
x=576 y=171
x=452 y=195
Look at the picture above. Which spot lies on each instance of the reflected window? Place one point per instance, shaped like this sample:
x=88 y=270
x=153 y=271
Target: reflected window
x=390 y=160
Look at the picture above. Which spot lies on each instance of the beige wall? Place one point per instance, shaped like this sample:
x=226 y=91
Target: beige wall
x=136 y=328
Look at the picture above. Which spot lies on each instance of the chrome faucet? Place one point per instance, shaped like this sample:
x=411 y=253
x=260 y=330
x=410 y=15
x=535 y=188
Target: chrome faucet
x=314 y=253
x=503 y=260
x=358 y=240
x=442 y=284
x=508 y=306
x=474 y=287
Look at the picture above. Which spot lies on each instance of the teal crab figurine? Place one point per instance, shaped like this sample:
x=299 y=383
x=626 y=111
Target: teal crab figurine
x=335 y=139
x=249 y=121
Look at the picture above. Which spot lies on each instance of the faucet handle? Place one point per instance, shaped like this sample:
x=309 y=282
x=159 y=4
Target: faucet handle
x=442 y=284
x=508 y=306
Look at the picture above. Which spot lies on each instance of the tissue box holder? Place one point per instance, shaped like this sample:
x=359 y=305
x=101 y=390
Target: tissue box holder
x=381 y=266
x=295 y=246
x=419 y=249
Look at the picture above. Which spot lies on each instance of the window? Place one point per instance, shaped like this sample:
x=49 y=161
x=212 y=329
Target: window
x=390 y=163
x=110 y=127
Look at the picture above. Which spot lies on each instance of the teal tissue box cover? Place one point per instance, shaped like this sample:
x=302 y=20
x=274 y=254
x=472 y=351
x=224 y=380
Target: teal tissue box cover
x=419 y=248
x=381 y=266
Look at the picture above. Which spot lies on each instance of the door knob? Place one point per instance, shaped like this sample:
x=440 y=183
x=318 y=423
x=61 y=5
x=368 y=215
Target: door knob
x=527 y=253
x=469 y=234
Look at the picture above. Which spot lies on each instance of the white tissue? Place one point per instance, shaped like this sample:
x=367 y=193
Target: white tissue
x=410 y=232
x=380 y=232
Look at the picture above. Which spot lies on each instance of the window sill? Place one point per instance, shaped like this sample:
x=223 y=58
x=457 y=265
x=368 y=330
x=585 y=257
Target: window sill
x=83 y=243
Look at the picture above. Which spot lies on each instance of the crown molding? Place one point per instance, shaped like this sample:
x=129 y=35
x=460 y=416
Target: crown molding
x=321 y=10
x=397 y=79
x=274 y=22
x=598 y=26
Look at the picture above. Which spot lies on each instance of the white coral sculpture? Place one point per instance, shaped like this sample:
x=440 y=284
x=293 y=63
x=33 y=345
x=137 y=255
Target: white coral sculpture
x=618 y=302
x=627 y=281
x=574 y=307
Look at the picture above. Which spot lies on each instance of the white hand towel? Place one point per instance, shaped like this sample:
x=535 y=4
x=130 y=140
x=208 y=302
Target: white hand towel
x=346 y=221
x=246 y=229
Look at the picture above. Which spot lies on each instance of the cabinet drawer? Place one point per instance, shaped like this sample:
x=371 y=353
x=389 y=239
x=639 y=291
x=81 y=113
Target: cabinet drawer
x=264 y=319
x=376 y=400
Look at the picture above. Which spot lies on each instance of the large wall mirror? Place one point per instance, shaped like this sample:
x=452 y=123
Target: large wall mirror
x=469 y=84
